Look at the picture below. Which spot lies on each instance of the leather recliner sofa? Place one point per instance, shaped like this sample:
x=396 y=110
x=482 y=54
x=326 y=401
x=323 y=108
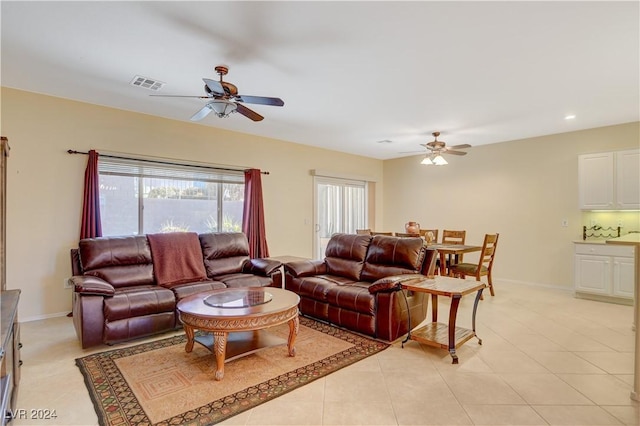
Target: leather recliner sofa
x=118 y=293
x=357 y=285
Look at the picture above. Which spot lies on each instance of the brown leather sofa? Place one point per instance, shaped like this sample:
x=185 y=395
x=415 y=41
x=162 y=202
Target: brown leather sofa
x=357 y=285
x=117 y=294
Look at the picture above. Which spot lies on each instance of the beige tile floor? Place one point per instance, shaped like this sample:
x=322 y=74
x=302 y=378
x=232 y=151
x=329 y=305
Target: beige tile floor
x=546 y=359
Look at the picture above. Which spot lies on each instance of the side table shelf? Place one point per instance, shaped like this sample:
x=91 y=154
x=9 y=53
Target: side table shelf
x=445 y=336
x=9 y=353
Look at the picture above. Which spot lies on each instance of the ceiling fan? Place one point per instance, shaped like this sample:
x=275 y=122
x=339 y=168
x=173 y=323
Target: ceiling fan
x=438 y=148
x=224 y=99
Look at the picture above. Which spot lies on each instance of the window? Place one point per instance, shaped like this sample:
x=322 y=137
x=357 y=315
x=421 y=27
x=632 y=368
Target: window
x=144 y=197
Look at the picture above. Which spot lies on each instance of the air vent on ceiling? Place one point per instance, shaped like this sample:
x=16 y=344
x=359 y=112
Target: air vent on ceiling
x=147 y=83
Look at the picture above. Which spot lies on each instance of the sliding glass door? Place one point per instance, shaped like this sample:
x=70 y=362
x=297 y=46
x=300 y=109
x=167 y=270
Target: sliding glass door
x=341 y=206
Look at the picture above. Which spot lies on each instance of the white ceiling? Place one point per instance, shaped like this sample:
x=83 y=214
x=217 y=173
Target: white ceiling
x=351 y=74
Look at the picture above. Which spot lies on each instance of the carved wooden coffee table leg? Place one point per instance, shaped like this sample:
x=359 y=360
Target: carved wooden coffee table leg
x=188 y=330
x=294 y=325
x=220 y=348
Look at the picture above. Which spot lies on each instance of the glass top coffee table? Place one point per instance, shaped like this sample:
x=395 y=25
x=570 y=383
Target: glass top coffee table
x=236 y=319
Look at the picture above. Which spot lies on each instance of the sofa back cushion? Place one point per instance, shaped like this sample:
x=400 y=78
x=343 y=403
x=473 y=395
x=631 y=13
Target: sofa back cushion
x=393 y=256
x=121 y=261
x=224 y=252
x=345 y=255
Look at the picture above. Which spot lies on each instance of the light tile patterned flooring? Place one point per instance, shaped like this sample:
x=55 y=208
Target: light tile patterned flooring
x=546 y=359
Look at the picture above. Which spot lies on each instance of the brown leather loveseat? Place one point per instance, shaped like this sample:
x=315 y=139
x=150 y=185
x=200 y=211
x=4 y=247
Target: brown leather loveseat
x=128 y=287
x=357 y=287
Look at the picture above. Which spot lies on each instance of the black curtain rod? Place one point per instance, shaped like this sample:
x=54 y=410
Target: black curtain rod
x=71 y=151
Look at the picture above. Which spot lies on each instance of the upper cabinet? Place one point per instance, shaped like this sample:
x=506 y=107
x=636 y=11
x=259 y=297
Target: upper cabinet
x=628 y=179
x=609 y=180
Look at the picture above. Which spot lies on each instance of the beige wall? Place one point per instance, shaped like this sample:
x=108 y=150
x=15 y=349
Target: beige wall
x=522 y=189
x=45 y=183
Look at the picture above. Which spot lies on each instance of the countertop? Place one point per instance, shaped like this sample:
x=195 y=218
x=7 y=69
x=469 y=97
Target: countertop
x=628 y=239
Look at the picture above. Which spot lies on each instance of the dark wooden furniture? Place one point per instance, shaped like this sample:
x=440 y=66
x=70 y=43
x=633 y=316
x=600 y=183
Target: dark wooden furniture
x=445 y=336
x=9 y=353
x=236 y=319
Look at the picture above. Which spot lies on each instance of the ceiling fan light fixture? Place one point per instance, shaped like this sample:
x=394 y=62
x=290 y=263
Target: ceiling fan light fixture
x=439 y=160
x=426 y=161
x=222 y=107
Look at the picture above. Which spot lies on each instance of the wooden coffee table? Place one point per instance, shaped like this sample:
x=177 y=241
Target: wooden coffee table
x=236 y=319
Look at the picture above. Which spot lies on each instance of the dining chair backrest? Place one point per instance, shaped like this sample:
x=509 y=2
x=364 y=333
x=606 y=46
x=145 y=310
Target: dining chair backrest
x=434 y=232
x=363 y=231
x=453 y=237
x=488 y=252
x=390 y=234
x=405 y=234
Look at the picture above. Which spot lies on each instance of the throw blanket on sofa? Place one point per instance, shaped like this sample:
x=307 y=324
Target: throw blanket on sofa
x=177 y=258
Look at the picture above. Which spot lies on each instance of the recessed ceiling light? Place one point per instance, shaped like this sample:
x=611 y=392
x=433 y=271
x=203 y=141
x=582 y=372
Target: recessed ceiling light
x=569 y=117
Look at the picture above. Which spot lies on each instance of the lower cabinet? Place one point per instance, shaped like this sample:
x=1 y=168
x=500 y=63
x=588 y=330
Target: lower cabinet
x=604 y=272
x=9 y=354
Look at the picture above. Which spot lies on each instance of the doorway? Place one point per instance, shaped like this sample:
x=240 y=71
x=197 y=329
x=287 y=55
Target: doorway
x=341 y=206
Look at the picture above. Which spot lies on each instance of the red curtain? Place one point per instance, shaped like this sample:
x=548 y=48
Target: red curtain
x=253 y=214
x=90 y=227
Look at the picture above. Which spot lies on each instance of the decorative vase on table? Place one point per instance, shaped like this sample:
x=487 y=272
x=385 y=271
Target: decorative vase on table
x=412 y=228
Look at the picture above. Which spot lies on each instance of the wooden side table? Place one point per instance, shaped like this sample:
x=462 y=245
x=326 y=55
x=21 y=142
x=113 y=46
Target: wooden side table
x=445 y=336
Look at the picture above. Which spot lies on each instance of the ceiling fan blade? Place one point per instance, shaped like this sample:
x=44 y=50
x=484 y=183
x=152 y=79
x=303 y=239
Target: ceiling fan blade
x=262 y=100
x=249 y=113
x=202 y=113
x=182 y=96
x=463 y=146
x=214 y=86
x=455 y=152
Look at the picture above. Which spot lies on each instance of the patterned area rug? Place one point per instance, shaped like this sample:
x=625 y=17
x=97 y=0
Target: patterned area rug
x=158 y=383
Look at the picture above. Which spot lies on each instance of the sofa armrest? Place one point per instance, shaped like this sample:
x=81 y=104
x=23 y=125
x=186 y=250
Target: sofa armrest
x=305 y=268
x=393 y=282
x=264 y=267
x=84 y=284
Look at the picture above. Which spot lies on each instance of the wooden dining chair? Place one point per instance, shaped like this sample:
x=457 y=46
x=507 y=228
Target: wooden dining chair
x=484 y=265
x=453 y=237
x=363 y=231
x=382 y=233
x=434 y=232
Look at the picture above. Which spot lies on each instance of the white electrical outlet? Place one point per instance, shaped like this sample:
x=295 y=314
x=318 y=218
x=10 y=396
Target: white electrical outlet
x=565 y=223
x=66 y=283
x=620 y=223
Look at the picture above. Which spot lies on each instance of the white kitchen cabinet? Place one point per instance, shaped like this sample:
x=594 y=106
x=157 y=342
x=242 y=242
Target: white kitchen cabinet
x=604 y=272
x=627 y=164
x=595 y=181
x=609 y=180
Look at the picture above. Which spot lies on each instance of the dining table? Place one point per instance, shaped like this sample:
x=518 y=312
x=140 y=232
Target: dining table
x=451 y=250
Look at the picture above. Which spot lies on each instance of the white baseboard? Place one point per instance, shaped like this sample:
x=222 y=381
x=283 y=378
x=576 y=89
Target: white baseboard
x=42 y=317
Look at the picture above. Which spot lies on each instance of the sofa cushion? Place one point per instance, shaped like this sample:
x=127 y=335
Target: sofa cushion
x=187 y=289
x=393 y=256
x=316 y=287
x=121 y=261
x=244 y=280
x=352 y=297
x=139 y=301
x=224 y=252
x=345 y=255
